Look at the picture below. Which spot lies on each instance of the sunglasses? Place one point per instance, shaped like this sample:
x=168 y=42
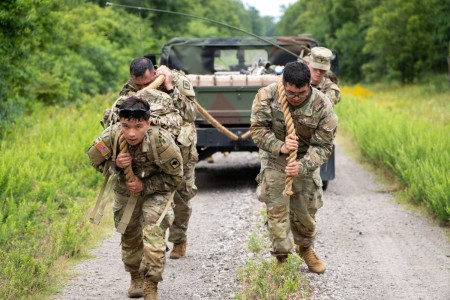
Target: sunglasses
x=301 y=95
x=138 y=113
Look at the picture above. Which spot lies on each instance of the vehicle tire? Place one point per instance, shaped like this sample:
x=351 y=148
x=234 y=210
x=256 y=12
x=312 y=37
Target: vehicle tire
x=324 y=185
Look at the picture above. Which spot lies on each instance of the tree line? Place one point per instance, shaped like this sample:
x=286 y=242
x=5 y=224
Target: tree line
x=377 y=40
x=66 y=51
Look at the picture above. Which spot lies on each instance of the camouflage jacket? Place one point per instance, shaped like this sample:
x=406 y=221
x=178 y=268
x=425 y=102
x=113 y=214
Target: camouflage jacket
x=315 y=125
x=156 y=161
x=183 y=98
x=162 y=110
x=330 y=89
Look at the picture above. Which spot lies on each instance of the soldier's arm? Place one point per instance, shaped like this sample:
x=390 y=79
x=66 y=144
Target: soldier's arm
x=322 y=140
x=101 y=151
x=170 y=162
x=261 y=120
x=183 y=97
x=334 y=93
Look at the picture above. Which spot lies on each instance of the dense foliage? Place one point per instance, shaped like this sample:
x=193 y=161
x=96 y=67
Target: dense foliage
x=66 y=51
x=377 y=39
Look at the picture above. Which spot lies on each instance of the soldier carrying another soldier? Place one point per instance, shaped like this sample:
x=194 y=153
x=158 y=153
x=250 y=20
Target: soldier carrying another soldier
x=156 y=164
x=174 y=109
x=315 y=129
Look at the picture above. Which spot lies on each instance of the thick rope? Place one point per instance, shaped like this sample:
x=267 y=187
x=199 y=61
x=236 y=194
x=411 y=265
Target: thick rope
x=153 y=85
x=207 y=116
x=129 y=175
x=290 y=131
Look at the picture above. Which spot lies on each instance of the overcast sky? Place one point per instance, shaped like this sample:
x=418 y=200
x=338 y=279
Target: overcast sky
x=268 y=8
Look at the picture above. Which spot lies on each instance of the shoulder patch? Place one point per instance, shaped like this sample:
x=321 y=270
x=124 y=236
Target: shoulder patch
x=186 y=85
x=174 y=163
x=102 y=148
x=263 y=95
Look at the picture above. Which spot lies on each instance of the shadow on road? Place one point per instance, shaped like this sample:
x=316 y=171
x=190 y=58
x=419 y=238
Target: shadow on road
x=227 y=173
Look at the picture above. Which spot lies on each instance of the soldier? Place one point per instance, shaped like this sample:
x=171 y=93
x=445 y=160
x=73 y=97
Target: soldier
x=319 y=63
x=315 y=124
x=322 y=78
x=182 y=94
x=157 y=170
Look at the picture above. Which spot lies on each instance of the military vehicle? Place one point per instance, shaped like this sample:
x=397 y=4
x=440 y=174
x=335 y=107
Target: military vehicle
x=226 y=73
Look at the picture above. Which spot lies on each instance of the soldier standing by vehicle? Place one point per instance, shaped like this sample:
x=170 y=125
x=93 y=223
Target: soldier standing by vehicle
x=176 y=84
x=315 y=126
x=319 y=63
x=155 y=165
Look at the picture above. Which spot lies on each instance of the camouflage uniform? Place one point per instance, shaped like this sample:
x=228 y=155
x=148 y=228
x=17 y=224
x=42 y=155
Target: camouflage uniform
x=326 y=86
x=315 y=124
x=143 y=243
x=330 y=89
x=183 y=98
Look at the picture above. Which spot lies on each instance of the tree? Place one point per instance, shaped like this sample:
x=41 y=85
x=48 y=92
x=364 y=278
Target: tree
x=405 y=39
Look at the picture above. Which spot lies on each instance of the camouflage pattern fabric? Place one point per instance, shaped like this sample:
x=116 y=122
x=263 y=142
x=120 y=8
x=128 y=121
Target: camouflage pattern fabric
x=143 y=243
x=315 y=124
x=183 y=99
x=326 y=86
x=162 y=110
x=330 y=89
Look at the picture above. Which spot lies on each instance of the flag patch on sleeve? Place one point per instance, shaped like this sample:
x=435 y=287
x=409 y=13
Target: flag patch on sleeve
x=102 y=148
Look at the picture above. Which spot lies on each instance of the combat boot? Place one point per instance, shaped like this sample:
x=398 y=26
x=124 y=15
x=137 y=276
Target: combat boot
x=150 y=290
x=136 y=286
x=311 y=259
x=281 y=259
x=179 y=250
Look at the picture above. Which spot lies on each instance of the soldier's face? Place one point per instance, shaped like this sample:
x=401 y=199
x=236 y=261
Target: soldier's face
x=316 y=74
x=295 y=95
x=134 y=130
x=141 y=82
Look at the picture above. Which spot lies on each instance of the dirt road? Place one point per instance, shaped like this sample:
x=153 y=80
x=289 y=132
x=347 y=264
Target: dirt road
x=373 y=248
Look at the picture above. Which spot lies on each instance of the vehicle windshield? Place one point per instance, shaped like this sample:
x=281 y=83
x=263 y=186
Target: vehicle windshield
x=238 y=60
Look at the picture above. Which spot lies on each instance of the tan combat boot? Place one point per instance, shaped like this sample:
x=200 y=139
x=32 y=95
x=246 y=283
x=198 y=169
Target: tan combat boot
x=136 y=285
x=311 y=259
x=179 y=250
x=150 y=290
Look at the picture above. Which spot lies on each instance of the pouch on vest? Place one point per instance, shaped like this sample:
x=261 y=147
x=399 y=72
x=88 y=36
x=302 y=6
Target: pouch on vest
x=186 y=132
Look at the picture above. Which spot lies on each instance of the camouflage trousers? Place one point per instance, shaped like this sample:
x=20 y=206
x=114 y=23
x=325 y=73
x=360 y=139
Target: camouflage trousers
x=184 y=193
x=290 y=219
x=143 y=243
x=263 y=157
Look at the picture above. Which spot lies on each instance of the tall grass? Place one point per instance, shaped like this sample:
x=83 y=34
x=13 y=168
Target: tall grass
x=406 y=129
x=46 y=187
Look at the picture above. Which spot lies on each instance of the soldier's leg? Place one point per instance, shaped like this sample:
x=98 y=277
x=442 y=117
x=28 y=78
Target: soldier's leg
x=183 y=208
x=154 y=259
x=131 y=240
x=132 y=245
x=305 y=202
x=277 y=211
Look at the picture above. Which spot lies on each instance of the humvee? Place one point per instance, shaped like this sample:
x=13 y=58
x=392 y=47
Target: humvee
x=226 y=73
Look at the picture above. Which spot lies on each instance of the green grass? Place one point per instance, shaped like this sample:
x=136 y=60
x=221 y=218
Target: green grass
x=405 y=129
x=46 y=188
x=265 y=279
